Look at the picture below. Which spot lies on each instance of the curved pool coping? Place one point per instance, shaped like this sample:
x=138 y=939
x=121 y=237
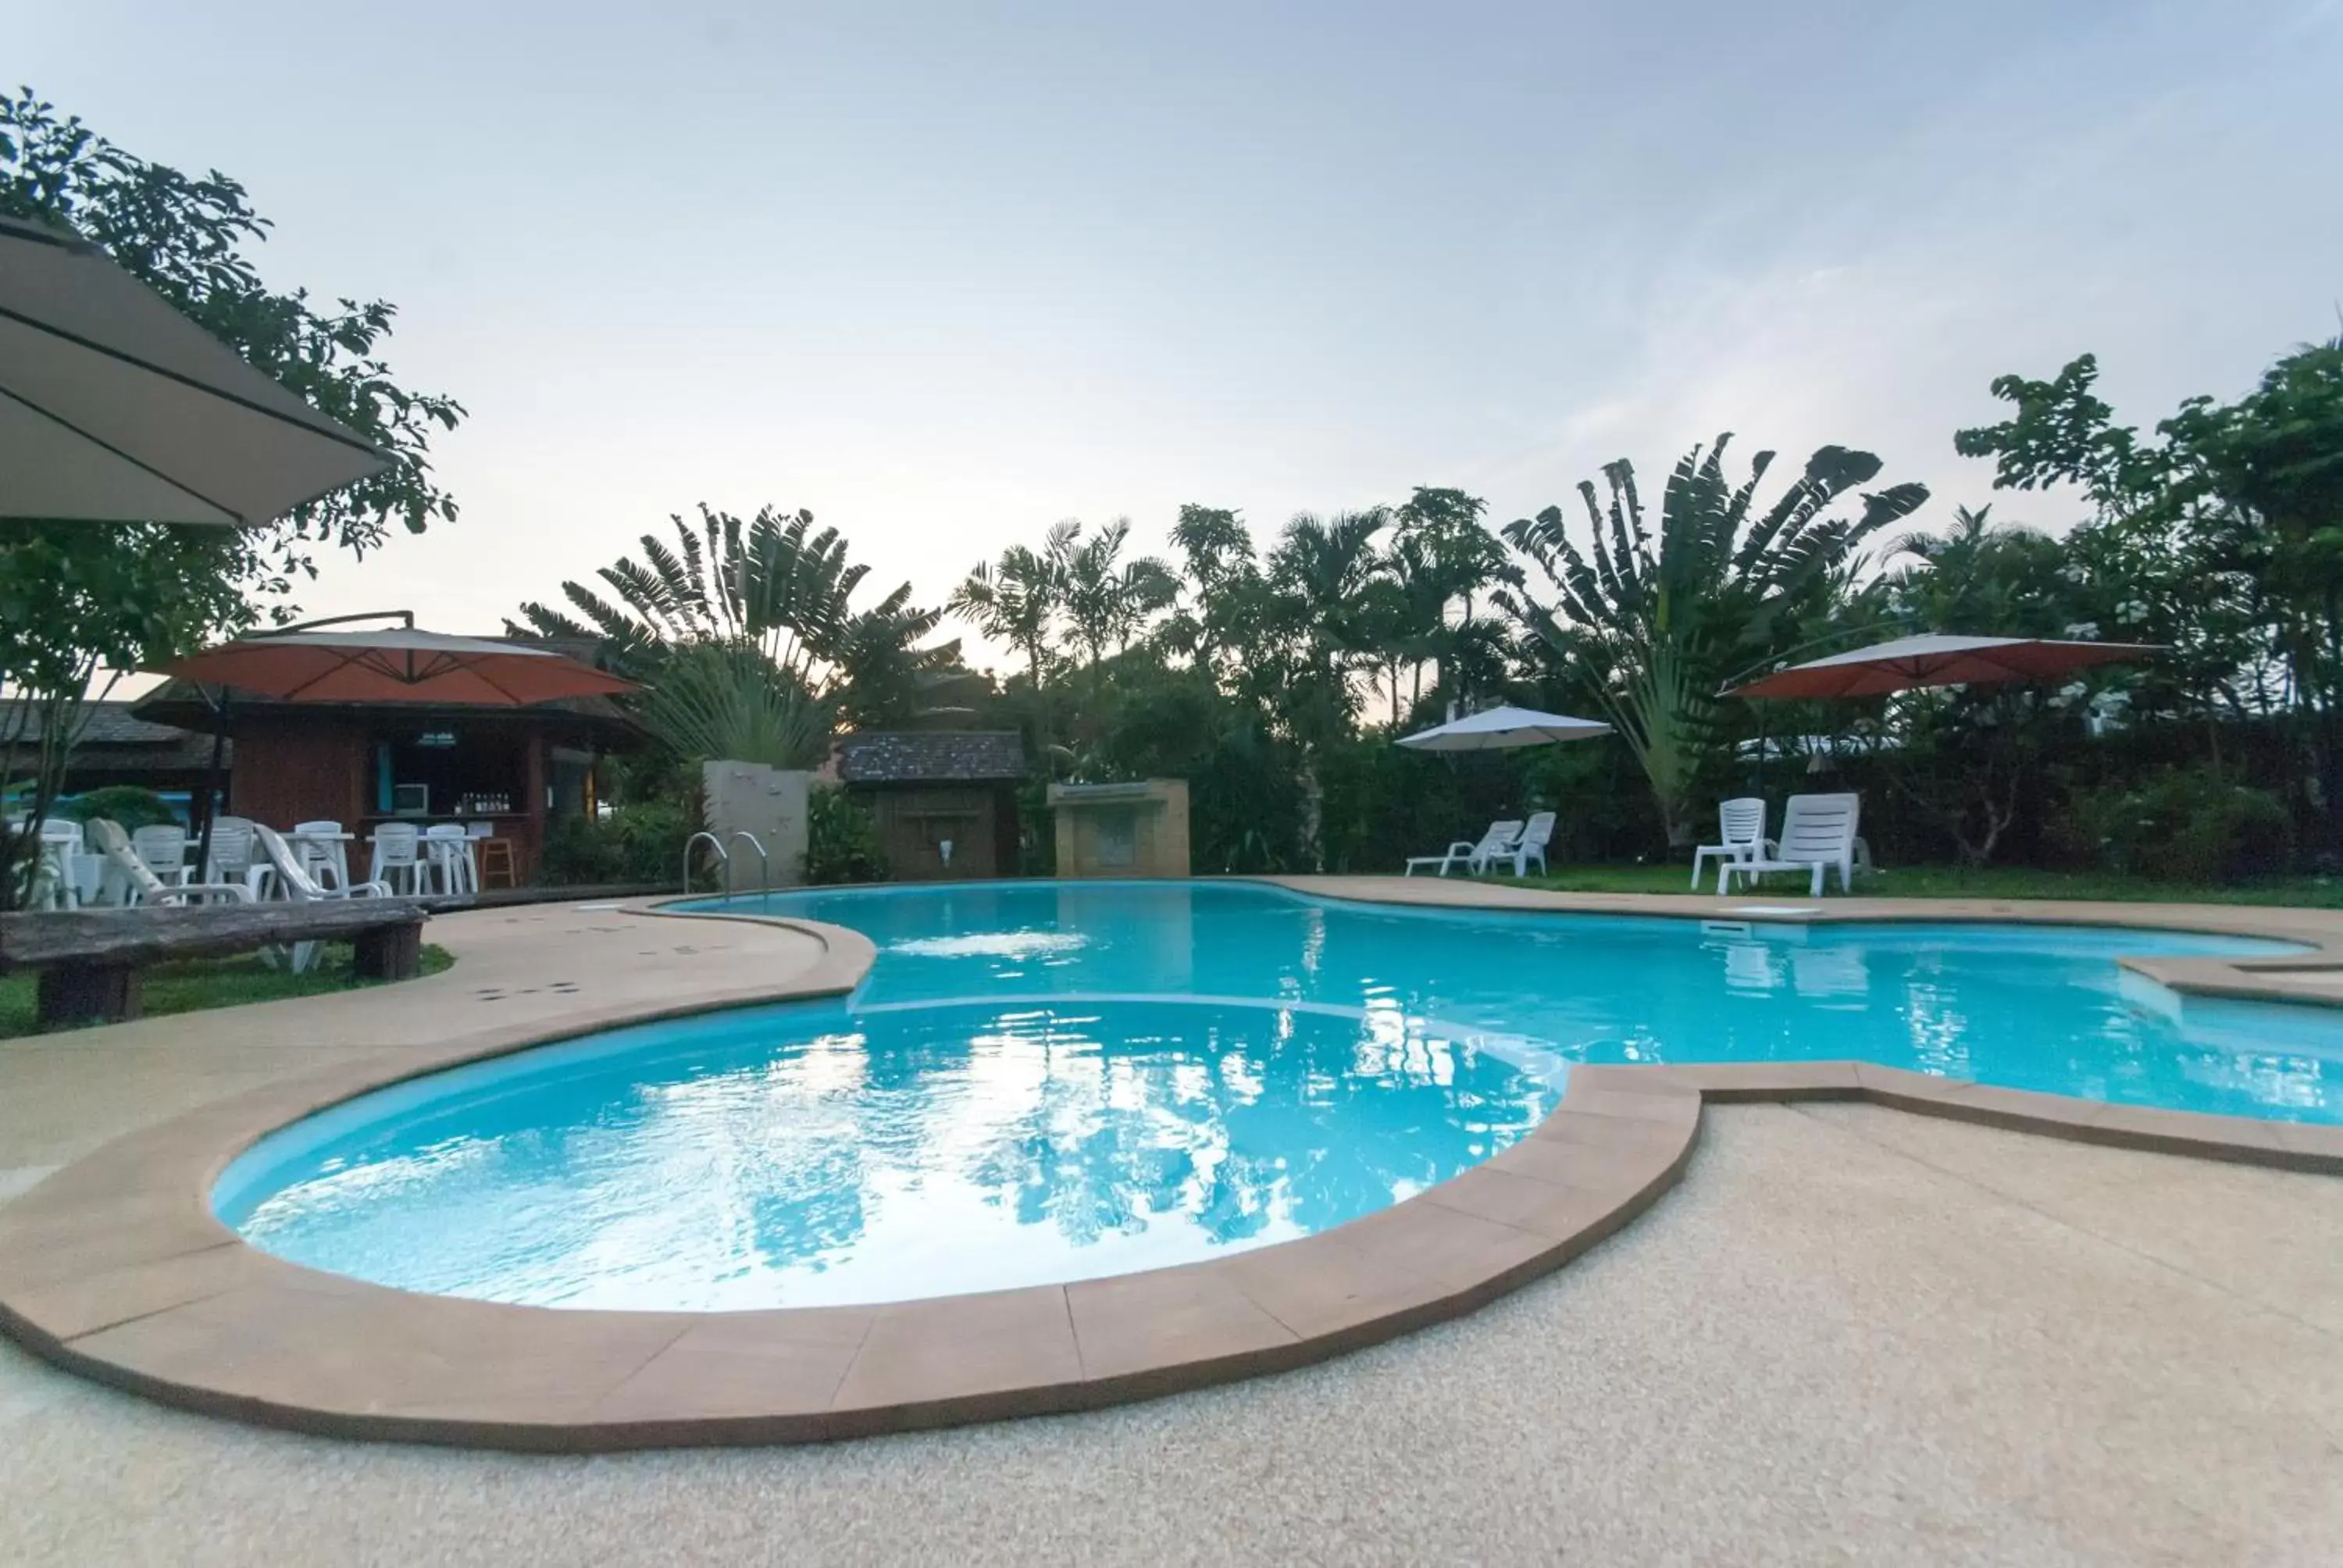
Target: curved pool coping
x=115 y=1267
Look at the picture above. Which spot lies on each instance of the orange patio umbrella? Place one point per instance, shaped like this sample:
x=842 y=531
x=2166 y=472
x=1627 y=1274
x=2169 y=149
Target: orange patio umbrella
x=394 y=664
x=1938 y=660
x=399 y=664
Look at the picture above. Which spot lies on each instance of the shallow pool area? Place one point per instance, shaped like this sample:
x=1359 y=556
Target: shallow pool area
x=1053 y=1082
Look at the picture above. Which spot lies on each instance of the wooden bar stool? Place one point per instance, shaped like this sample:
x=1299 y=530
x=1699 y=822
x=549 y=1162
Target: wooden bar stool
x=497 y=866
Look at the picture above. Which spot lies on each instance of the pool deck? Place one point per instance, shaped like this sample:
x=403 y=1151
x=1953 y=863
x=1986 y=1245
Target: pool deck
x=112 y=1264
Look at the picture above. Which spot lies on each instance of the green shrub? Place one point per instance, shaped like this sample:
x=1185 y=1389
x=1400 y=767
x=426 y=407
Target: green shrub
x=2183 y=825
x=641 y=841
x=131 y=805
x=841 y=840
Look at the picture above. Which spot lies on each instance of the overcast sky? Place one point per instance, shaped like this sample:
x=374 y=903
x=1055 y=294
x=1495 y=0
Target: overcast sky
x=947 y=273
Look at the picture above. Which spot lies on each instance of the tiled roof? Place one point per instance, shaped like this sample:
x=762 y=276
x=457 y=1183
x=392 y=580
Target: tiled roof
x=932 y=757
x=102 y=724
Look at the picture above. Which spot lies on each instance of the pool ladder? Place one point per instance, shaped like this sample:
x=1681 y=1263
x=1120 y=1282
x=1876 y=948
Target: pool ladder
x=724 y=856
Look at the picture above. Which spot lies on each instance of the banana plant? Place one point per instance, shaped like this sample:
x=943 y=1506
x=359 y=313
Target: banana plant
x=1659 y=612
x=726 y=699
x=773 y=584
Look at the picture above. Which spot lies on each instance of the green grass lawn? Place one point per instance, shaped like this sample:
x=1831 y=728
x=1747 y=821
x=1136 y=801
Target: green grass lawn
x=1963 y=882
x=194 y=984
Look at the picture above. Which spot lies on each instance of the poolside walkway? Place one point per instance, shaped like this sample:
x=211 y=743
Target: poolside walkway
x=1850 y=1332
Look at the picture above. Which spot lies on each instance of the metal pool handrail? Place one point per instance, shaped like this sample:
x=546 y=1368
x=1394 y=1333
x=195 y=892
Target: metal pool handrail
x=764 y=863
x=714 y=843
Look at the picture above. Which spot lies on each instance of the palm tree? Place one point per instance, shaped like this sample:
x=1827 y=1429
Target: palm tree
x=1659 y=619
x=1018 y=597
x=1108 y=599
x=1321 y=581
x=1421 y=610
x=1419 y=583
x=1322 y=573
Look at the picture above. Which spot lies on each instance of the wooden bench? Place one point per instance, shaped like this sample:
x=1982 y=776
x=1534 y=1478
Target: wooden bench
x=89 y=960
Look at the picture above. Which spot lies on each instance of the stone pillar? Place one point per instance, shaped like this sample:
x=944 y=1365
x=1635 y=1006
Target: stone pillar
x=768 y=802
x=1122 y=829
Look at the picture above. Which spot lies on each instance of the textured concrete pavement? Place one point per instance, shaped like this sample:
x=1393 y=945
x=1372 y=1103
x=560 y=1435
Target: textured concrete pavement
x=1852 y=1335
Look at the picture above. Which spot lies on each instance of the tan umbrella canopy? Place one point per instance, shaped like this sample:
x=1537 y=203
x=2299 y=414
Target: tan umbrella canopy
x=1935 y=660
x=1502 y=730
x=115 y=408
x=399 y=664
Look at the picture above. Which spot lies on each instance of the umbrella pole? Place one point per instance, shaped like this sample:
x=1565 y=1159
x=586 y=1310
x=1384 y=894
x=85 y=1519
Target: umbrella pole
x=212 y=785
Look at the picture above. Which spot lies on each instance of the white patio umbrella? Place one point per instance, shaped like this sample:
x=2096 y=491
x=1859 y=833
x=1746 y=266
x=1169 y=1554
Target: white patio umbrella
x=115 y=408
x=1502 y=730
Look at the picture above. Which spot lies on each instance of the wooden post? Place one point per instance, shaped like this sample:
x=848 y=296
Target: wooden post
x=389 y=952
x=93 y=993
x=535 y=838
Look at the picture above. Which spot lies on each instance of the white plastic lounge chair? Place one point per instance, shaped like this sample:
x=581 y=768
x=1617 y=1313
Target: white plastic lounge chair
x=290 y=879
x=144 y=886
x=1741 y=824
x=1530 y=846
x=1818 y=833
x=1473 y=857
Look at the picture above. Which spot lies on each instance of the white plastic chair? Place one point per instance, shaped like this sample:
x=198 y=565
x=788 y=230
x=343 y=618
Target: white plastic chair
x=231 y=853
x=1741 y=824
x=162 y=848
x=448 y=850
x=1531 y=845
x=1818 y=833
x=327 y=857
x=55 y=881
x=147 y=888
x=1475 y=857
x=398 y=862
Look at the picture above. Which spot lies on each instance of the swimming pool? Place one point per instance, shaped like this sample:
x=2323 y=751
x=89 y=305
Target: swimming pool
x=1053 y=1082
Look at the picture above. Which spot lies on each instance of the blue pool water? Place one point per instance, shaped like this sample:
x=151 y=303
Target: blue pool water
x=1046 y=1081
